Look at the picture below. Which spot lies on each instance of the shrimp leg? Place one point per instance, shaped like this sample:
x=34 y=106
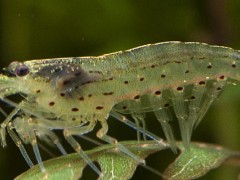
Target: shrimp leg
x=68 y=134
x=102 y=134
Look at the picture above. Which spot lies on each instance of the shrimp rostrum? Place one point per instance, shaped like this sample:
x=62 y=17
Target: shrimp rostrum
x=73 y=94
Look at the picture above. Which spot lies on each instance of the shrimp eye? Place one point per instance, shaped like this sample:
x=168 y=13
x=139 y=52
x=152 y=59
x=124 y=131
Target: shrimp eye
x=18 y=69
x=21 y=70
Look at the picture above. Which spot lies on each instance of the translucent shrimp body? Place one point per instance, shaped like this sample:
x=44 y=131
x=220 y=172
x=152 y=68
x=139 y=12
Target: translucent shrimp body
x=72 y=94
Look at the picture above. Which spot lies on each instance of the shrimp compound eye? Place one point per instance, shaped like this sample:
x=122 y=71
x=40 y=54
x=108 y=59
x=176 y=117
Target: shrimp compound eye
x=22 y=70
x=19 y=69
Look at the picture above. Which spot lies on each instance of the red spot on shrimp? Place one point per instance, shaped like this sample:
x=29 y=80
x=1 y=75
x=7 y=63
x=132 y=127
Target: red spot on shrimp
x=157 y=92
x=137 y=97
x=222 y=77
x=202 y=83
x=179 y=88
x=192 y=97
x=209 y=66
x=81 y=98
x=107 y=94
x=74 y=109
x=52 y=103
x=99 y=107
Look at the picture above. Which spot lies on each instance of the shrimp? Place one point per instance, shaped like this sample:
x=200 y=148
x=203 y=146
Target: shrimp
x=73 y=94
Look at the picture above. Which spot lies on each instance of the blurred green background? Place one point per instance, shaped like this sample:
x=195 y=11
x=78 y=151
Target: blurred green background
x=31 y=29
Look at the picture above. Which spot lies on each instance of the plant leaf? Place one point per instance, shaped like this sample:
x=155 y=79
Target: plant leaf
x=198 y=160
x=190 y=164
x=114 y=164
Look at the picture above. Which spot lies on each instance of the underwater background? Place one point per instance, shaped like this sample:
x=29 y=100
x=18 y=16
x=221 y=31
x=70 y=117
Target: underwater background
x=31 y=29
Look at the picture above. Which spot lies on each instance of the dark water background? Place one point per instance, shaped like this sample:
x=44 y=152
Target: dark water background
x=31 y=29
